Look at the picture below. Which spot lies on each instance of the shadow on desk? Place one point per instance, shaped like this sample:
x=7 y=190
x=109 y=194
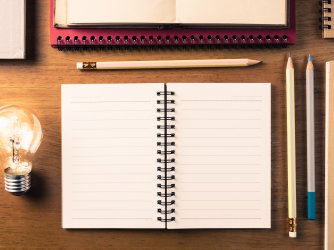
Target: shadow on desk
x=38 y=189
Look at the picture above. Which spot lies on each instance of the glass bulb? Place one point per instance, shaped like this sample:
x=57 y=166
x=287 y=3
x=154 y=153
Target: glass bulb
x=20 y=136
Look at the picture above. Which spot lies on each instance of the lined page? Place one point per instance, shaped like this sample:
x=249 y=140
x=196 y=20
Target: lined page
x=109 y=147
x=223 y=155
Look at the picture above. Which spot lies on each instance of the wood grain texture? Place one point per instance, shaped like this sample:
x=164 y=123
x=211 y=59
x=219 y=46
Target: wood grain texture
x=34 y=221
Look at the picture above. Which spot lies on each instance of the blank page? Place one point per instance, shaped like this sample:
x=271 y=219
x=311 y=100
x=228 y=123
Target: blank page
x=232 y=12
x=109 y=154
x=12 y=29
x=120 y=11
x=223 y=155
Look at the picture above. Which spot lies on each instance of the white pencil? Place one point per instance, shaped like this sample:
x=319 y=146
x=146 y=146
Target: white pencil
x=311 y=197
x=166 y=64
x=291 y=148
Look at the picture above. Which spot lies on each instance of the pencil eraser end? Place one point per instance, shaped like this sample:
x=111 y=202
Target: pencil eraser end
x=292 y=234
x=79 y=65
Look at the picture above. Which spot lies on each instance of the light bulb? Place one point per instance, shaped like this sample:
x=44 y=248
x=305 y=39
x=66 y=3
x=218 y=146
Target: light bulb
x=20 y=136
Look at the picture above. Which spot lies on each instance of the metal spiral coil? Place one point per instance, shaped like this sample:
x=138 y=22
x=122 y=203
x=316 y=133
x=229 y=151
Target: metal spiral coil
x=166 y=127
x=165 y=186
x=166 y=160
x=168 y=203
x=170 y=211
x=325 y=18
x=163 y=177
x=166 y=220
x=159 y=135
x=117 y=41
x=171 y=169
x=171 y=194
x=165 y=101
x=168 y=152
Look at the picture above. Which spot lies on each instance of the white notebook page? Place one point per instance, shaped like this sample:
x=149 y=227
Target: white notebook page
x=120 y=11
x=223 y=155
x=226 y=12
x=109 y=145
x=233 y=12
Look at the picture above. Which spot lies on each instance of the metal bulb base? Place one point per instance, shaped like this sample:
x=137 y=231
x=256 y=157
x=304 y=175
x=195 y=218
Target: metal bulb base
x=17 y=184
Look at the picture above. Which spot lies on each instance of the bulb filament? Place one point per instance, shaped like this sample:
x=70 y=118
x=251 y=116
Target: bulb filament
x=16 y=150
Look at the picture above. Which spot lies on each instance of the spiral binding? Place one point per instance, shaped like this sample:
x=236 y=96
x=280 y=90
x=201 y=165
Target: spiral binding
x=325 y=14
x=165 y=160
x=84 y=42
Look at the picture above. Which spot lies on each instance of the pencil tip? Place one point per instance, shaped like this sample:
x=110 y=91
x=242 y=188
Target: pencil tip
x=309 y=58
x=253 y=62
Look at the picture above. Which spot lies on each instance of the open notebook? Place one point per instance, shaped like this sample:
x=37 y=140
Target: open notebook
x=219 y=12
x=170 y=156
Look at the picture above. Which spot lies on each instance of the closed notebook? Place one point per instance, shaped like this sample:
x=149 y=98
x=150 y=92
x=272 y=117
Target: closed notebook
x=166 y=156
x=12 y=29
x=109 y=23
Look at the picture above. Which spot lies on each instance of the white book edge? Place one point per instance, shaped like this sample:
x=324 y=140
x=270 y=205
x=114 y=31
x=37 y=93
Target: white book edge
x=326 y=151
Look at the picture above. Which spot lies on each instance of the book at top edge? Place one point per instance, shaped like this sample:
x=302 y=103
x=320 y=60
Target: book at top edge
x=13 y=29
x=72 y=37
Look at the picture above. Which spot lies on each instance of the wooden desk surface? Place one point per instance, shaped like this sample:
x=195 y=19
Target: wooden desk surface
x=34 y=221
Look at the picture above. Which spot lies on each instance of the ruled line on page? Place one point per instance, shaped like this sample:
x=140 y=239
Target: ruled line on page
x=112 y=200
x=222 y=209
x=220 y=191
x=112 y=119
x=109 y=101
x=217 y=200
x=218 y=164
x=220 y=109
x=220 y=119
x=220 y=218
x=255 y=146
x=105 y=173
x=110 y=218
x=109 y=137
x=110 y=110
x=204 y=128
x=108 y=191
x=220 y=100
x=109 y=182
x=221 y=182
x=220 y=155
x=108 y=209
x=221 y=137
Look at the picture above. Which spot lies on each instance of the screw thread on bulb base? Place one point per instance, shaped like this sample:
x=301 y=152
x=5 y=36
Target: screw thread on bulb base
x=17 y=184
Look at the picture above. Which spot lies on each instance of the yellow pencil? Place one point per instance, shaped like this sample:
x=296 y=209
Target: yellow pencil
x=167 y=64
x=291 y=149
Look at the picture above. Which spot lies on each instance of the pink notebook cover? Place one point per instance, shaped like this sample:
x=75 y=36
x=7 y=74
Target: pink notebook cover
x=72 y=37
